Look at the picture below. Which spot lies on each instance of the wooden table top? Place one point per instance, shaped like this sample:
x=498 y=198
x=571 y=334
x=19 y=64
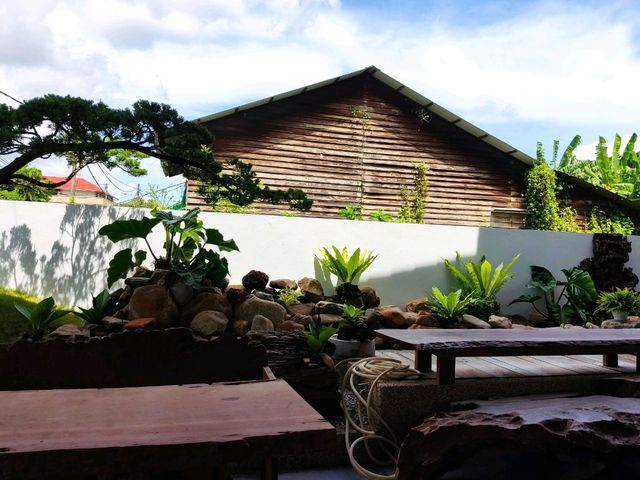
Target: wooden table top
x=458 y=339
x=267 y=418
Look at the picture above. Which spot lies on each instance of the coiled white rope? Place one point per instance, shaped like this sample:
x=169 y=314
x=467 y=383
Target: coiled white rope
x=363 y=376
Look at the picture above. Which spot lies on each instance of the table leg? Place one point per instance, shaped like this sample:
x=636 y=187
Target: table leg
x=269 y=469
x=446 y=373
x=638 y=363
x=422 y=361
x=610 y=360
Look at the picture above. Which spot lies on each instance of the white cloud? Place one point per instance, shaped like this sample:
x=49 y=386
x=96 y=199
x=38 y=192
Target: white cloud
x=555 y=63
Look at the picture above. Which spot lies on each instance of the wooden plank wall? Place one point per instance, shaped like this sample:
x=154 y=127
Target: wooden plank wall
x=314 y=142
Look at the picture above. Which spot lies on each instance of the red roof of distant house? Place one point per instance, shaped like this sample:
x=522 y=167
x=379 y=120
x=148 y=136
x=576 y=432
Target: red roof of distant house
x=82 y=185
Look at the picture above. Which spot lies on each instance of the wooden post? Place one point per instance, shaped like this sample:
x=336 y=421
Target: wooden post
x=422 y=361
x=610 y=360
x=446 y=373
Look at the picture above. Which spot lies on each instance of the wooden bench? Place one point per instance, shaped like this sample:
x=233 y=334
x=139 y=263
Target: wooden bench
x=447 y=345
x=148 y=403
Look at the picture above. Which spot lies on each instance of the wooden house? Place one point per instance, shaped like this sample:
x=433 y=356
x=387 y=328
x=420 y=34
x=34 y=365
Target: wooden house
x=354 y=140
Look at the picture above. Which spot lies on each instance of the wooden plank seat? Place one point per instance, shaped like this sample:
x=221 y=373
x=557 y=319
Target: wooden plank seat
x=447 y=345
x=147 y=404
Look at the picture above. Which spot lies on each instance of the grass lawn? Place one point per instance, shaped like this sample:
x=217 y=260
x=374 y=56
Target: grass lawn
x=12 y=324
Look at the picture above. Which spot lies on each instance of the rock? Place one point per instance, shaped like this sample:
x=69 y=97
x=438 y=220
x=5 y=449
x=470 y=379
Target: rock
x=536 y=318
x=303 y=320
x=500 y=322
x=568 y=437
x=241 y=327
x=591 y=325
x=617 y=324
x=393 y=317
x=410 y=317
x=205 y=301
x=427 y=319
x=331 y=308
x=416 y=326
x=236 y=293
x=145 y=323
x=262 y=324
x=113 y=324
x=115 y=295
x=370 y=313
x=301 y=308
x=154 y=301
x=255 y=280
x=70 y=333
x=142 y=272
x=370 y=298
x=281 y=283
x=519 y=326
x=123 y=313
x=470 y=321
x=182 y=293
x=210 y=289
x=209 y=323
x=253 y=306
x=124 y=298
x=417 y=305
x=311 y=289
x=290 y=326
x=165 y=278
x=571 y=326
x=264 y=296
x=328 y=318
x=135 y=282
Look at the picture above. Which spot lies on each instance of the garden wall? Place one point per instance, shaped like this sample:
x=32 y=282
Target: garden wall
x=54 y=249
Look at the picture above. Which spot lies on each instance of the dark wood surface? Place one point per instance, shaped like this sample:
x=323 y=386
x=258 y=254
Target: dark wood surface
x=127 y=429
x=447 y=345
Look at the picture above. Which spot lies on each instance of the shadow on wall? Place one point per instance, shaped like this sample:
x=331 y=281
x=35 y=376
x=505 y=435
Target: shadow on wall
x=74 y=268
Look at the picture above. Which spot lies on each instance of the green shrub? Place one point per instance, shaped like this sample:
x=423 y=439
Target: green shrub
x=380 y=216
x=413 y=201
x=449 y=308
x=617 y=222
x=289 y=296
x=541 y=198
x=620 y=300
x=351 y=212
x=347 y=268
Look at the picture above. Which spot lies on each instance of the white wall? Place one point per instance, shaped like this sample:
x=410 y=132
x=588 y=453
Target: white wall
x=54 y=249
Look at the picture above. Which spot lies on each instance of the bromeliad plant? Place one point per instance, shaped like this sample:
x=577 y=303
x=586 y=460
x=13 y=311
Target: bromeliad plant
x=354 y=325
x=185 y=247
x=40 y=316
x=577 y=294
x=449 y=308
x=347 y=268
x=482 y=282
x=98 y=310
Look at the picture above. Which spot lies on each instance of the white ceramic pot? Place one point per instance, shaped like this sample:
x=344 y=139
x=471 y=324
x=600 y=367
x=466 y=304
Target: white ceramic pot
x=352 y=348
x=620 y=316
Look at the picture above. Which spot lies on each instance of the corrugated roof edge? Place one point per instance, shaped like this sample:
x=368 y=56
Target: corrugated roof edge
x=434 y=108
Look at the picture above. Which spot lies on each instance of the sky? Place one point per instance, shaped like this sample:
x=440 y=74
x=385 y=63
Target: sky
x=525 y=71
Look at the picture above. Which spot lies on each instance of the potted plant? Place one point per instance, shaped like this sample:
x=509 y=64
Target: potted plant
x=348 y=269
x=355 y=339
x=619 y=303
x=449 y=308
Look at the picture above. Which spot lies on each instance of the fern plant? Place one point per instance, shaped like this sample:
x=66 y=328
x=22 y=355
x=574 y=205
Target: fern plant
x=289 y=296
x=449 y=308
x=346 y=267
x=481 y=281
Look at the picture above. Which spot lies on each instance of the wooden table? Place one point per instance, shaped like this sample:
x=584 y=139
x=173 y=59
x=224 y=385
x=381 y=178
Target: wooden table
x=75 y=432
x=447 y=345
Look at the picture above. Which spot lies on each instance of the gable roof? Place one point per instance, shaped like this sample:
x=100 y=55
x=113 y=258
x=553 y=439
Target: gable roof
x=433 y=108
x=394 y=84
x=82 y=185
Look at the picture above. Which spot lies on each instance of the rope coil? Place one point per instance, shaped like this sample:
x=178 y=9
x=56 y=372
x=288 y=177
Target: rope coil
x=363 y=376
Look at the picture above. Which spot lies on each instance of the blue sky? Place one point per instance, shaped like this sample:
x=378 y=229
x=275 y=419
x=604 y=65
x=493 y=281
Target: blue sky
x=522 y=70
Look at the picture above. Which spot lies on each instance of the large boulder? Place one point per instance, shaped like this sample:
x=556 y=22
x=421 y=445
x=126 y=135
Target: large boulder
x=209 y=323
x=255 y=280
x=329 y=307
x=154 y=301
x=311 y=289
x=281 y=283
x=70 y=332
x=261 y=323
x=301 y=308
x=590 y=437
x=236 y=293
x=417 y=305
x=391 y=316
x=203 y=302
x=370 y=298
x=253 y=306
x=500 y=322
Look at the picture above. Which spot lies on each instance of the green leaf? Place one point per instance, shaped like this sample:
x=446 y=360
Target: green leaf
x=542 y=278
x=119 y=266
x=127 y=229
x=139 y=257
x=214 y=237
x=580 y=285
x=24 y=310
x=526 y=299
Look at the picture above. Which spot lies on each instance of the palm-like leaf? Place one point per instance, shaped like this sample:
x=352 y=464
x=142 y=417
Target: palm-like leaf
x=347 y=268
